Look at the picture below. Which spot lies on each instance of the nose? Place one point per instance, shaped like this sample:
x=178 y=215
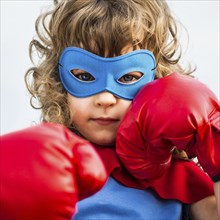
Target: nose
x=105 y=99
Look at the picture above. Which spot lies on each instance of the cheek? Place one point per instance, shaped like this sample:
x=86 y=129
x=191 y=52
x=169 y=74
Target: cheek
x=125 y=105
x=77 y=107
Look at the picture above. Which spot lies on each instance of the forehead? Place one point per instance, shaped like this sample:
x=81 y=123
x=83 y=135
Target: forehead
x=108 y=50
x=124 y=50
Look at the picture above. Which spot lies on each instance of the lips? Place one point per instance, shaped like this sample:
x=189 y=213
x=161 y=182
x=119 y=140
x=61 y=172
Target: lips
x=105 y=121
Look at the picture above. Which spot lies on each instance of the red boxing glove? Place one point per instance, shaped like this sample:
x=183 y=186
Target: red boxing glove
x=45 y=170
x=176 y=111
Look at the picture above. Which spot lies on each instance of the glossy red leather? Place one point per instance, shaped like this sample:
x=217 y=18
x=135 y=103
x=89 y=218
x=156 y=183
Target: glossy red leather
x=45 y=170
x=176 y=111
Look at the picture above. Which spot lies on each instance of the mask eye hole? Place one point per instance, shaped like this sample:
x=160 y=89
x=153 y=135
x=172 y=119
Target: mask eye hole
x=82 y=75
x=130 y=78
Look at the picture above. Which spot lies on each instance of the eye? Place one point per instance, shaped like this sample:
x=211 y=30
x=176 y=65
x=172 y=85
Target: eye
x=82 y=75
x=130 y=77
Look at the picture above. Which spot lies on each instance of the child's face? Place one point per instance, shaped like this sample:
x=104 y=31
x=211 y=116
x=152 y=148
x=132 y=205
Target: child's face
x=97 y=117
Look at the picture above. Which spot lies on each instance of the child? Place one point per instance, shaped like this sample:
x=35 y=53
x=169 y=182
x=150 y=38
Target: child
x=84 y=83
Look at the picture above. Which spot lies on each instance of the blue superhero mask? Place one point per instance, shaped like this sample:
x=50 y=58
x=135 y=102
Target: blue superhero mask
x=105 y=73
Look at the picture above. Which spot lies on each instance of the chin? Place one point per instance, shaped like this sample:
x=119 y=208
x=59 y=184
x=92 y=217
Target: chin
x=103 y=139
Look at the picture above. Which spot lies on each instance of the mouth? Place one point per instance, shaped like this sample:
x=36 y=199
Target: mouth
x=105 y=121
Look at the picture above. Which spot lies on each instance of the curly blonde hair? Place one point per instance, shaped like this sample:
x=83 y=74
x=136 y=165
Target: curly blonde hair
x=98 y=26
